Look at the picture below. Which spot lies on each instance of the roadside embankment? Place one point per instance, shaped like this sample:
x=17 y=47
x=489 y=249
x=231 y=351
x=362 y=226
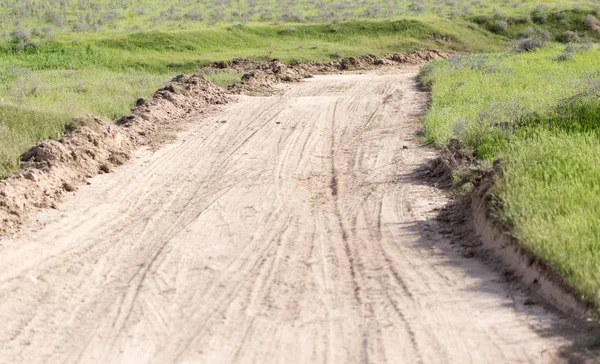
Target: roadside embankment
x=537 y=113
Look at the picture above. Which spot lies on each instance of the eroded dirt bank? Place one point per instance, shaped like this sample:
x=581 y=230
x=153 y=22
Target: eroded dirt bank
x=285 y=229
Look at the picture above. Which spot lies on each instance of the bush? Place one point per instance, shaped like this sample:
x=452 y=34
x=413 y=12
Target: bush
x=80 y=27
x=292 y=18
x=19 y=35
x=288 y=30
x=564 y=56
x=194 y=15
x=545 y=35
x=539 y=18
x=499 y=26
x=528 y=45
x=570 y=36
x=592 y=22
x=527 y=32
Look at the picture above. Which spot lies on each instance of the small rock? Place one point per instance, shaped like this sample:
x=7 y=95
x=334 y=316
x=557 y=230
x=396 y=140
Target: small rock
x=30 y=176
x=68 y=187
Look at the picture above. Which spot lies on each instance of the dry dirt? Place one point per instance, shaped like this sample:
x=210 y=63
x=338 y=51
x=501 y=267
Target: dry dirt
x=96 y=145
x=261 y=78
x=287 y=229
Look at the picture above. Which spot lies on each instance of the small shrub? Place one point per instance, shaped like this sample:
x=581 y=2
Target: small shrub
x=544 y=35
x=139 y=11
x=527 y=33
x=499 y=26
x=21 y=35
x=194 y=15
x=80 y=27
x=571 y=49
x=564 y=56
x=539 y=18
x=592 y=22
x=109 y=16
x=292 y=18
x=372 y=11
x=417 y=6
x=47 y=31
x=288 y=30
x=528 y=45
x=36 y=32
x=570 y=36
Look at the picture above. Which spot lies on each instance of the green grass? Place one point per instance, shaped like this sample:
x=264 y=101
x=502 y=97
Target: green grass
x=39 y=105
x=50 y=82
x=580 y=22
x=76 y=16
x=542 y=117
x=474 y=94
x=551 y=198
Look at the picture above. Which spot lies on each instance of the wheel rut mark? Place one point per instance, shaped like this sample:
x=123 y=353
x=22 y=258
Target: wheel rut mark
x=334 y=186
x=346 y=239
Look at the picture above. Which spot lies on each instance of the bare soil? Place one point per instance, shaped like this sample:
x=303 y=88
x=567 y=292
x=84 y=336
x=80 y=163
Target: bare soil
x=96 y=145
x=296 y=228
x=262 y=77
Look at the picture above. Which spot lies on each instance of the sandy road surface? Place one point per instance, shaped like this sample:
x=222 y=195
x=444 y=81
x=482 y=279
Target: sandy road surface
x=287 y=229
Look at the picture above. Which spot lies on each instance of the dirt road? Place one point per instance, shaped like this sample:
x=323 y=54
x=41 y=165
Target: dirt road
x=284 y=229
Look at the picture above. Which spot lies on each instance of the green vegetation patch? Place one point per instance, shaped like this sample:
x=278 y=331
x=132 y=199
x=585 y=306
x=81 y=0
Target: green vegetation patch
x=540 y=113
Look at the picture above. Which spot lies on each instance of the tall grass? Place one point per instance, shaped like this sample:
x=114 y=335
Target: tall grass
x=540 y=115
x=478 y=98
x=551 y=197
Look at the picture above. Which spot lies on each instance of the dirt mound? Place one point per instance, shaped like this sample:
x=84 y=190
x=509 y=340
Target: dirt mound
x=455 y=157
x=236 y=63
x=262 y=78
x=97 y=145
x=182 y=98
x=266 y=75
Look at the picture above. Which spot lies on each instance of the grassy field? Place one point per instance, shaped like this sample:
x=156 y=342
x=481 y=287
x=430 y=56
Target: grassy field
x=54 y=17
x=540 y=112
